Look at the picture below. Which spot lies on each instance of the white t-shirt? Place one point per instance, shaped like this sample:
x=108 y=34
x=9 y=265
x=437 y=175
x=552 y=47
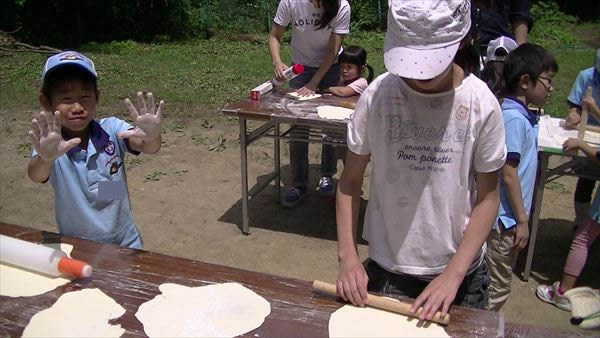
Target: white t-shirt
x=309 y=44
x=425 y=151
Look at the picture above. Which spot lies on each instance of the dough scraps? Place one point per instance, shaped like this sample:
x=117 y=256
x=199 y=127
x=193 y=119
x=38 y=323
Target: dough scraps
x=352 y=321
x=304 y=98
x=220 y=310
x=19 y=282
x=334 y=113
x=83 y=313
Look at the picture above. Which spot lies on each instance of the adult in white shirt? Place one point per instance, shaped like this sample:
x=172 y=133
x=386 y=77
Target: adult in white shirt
x=435 y=138
x=318 y=30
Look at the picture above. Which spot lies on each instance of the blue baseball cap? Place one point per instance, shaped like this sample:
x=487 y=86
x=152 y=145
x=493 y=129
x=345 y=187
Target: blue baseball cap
x=68 y=58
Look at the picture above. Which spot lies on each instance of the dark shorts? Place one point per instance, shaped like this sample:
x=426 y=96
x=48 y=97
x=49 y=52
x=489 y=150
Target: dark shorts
x=472 y=293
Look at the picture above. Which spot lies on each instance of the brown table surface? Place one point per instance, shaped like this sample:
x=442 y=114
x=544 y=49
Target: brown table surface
x=276 y=104
x=131 y=277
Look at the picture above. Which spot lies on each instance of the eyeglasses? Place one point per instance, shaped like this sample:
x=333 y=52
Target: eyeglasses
x=548 y=86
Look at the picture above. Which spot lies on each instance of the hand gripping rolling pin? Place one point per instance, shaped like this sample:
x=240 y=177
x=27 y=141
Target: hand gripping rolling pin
x=384 y=303
x=41 y=258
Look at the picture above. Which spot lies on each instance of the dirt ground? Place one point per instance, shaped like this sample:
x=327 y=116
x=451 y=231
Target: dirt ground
x=186 y=202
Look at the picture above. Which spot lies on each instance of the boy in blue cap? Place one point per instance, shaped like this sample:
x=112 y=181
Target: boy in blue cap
x=84 y=158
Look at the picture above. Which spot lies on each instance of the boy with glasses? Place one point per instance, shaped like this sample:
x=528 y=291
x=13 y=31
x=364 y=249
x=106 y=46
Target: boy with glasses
x=528 y=72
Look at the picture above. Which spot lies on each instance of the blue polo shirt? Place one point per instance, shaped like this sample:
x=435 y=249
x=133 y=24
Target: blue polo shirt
x=585 y=78
x=90 y=187
x=521 y=133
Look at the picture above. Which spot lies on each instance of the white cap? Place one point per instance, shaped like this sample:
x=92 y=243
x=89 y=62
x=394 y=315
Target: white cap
x=423 y=36
x=585 y=305
x=504 y=42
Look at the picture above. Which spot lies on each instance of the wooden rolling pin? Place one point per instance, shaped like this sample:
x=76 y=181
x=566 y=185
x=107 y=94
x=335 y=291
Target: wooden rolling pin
x=349 y=105
x=384 y=303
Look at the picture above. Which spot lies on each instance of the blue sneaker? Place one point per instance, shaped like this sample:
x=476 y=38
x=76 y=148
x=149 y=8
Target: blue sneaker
x=293 y=197
x=326 y=186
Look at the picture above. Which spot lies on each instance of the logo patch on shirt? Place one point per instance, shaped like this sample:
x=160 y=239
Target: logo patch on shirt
x=109 y=148
x=114 y=168
x=462 y=112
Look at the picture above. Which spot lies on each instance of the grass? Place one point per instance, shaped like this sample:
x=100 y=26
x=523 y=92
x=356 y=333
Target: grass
x=207 y=74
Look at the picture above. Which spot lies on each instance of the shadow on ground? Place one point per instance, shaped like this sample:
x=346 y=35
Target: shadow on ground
x=551 y=250
x=314 y=216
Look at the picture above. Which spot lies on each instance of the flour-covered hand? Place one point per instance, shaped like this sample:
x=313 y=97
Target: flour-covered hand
x=46 y=137
x=146 y=118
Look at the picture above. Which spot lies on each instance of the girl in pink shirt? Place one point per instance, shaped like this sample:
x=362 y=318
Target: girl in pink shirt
x=353 y=61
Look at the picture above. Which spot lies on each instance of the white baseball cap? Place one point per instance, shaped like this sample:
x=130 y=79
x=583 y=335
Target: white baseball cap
x=504 y=42
x=423 y=36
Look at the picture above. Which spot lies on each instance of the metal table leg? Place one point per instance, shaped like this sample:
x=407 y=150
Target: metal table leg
x=276 y=162
x=244 y=166
x=537 y=207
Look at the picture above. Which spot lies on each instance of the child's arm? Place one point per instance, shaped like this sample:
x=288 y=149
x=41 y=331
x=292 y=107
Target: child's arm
x=442 y=290
x=145 y=137
x=343 y=91
x=47 y=140
x=510 y=177
x=352 y=278
x=590 y=104
x=574 y=144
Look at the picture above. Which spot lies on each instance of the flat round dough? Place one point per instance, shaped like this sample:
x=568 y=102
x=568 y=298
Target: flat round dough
x=220 y=310
x=83 y=313
x=334 y=113
x=12 y=277
x=352 y=321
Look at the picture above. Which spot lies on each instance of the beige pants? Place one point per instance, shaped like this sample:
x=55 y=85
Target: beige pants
x=501 y=259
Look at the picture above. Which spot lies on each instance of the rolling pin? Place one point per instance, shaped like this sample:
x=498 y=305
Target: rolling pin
x=42 y=259
x=349 y=105
x=384 y=303
x=584 y=115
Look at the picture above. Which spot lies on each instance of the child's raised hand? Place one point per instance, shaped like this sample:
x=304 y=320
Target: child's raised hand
x=146 y=118
x=47 y=139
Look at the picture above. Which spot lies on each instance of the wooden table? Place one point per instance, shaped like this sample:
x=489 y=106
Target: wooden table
x=273 y=109
x=131 y=277
x=547 y=148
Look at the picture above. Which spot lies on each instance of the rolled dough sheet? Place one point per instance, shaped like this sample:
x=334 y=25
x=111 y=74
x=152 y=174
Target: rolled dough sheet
x=304 y=98
x=220 y=310
x=17 y=282
x=83 y=313
x=352 y=321
x=334 y=113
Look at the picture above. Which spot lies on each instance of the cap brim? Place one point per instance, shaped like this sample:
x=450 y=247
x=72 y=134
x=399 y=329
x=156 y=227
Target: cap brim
x=418 y=64
x=68 y=64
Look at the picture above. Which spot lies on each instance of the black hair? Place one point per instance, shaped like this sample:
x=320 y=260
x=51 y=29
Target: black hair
x=55 y=77
x=493 y=75
x=356 y=56
x=331 y=10
x=528 y=59
x=467 y=56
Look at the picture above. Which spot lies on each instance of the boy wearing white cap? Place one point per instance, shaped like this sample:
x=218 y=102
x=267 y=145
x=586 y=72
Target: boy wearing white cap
x=435 y=137
x=84 y=158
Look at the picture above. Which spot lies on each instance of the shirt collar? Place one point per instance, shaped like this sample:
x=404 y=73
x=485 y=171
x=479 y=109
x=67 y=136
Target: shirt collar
x=531 y=116
x=97 y=135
